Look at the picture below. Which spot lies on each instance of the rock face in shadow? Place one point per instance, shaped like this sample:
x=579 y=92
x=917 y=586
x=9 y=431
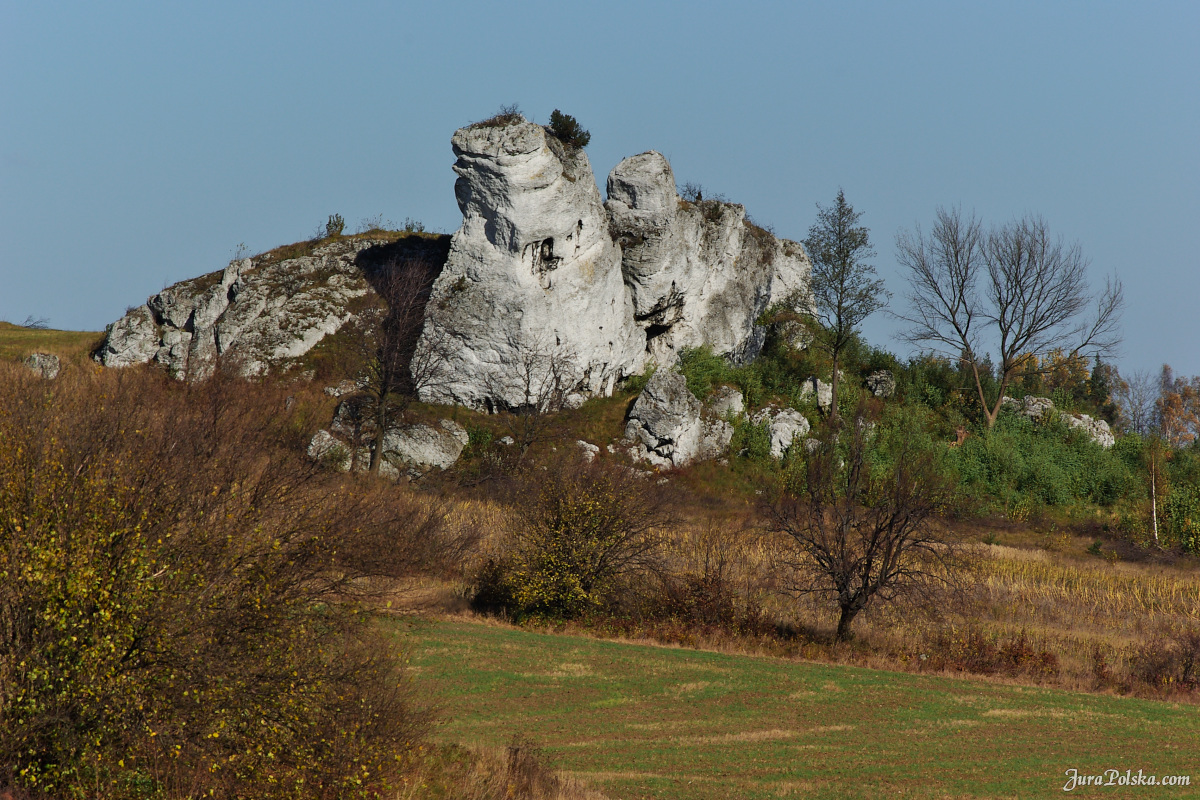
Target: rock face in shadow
x=532 y=291
x=699 y=272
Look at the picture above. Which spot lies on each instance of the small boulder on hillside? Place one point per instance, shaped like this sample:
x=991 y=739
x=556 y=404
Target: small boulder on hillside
x=822 y=390
x=784 y=426
x=46 y=365
x=667 y=428
x=882 y=383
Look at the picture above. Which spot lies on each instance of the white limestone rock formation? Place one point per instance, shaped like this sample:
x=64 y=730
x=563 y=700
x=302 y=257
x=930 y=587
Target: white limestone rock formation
x=411 y=450
x=784 y=426
x=419 y=448
x=668 y=427
x=699 y=273
x=726 y=401
x=326 y=447
x=45 y=365
x=1042 y=408
x=821 y=390
x=256 y=314
x=532 y=291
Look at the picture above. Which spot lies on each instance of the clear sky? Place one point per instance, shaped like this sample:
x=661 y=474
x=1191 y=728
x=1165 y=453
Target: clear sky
x=142 y=142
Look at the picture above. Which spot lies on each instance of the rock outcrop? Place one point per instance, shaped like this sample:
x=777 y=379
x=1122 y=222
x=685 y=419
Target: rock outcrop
x=668 y=426
x=532 y=290
x=45 y=365
x=544 y=290
x=822 y=391
x=256 y=315
x=542 y=273
x=1041 y=408
x=882 y=383
x=698 y=273
x=784 y=426
x=411 y=450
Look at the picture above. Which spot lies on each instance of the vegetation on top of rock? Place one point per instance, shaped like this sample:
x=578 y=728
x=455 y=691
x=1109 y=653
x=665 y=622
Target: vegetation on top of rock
x=507 y=115
x=567 y=130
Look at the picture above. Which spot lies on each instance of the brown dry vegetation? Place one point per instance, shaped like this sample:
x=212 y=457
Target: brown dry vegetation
x=220 y=470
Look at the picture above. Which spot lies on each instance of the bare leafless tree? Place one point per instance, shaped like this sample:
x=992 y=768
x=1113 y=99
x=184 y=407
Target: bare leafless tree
x=1016 y=288
x=1136 y=397
x=532 y=388
x=861 y=533
x=401 y=355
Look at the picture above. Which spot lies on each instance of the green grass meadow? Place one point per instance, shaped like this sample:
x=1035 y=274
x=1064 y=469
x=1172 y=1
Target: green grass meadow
x=639 y=721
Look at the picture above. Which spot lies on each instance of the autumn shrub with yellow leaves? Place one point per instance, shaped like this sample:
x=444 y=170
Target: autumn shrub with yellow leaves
x=578 y=532
x=180 y=599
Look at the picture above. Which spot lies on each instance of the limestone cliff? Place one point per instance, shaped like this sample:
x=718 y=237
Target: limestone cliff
x=699 y=273
x=544 y=286
x=533 y=279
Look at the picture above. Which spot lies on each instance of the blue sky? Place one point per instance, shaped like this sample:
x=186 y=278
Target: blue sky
x=141 y=143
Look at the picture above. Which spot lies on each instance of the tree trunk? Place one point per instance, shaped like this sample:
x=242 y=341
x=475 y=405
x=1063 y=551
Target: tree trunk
x=833 y=391
x=380 y=432
x=843 y=628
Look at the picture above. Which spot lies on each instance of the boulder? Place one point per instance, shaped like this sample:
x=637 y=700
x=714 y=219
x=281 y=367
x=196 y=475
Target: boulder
x=726 y=402
x=1042 y=408
x=588 y=450
x=698 y=273
x=255 y=315
x=45 y=365
x=533 y=276
x=882 y=383
x=783 y=425
x=823 y=392
x=666 y=428
x=419 y=448
x=326 y=447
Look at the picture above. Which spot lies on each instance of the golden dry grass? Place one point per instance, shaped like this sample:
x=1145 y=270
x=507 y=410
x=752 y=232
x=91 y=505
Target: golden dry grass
x=1066 y=602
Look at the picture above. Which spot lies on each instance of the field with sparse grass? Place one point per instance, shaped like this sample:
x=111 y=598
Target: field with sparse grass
x=16 y=342
x=641 y=721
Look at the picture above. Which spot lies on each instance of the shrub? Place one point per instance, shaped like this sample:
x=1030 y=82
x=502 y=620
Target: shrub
x=507 y=115
x=752 y=440
x=704 y=370
x=1171 y=660
x=179 y=599
x=970 y=649
x=566 y=129
x=334 y=226
x=578 y=530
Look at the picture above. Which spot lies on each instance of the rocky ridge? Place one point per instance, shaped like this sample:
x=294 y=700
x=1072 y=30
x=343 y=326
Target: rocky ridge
x=543 y=282
x=1040 y=408
x=256 y=315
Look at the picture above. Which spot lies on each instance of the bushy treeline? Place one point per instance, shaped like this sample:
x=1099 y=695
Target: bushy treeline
x=1018 y=466
x=182 y=597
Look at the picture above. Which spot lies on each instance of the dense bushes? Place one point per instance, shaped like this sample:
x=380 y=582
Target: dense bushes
x=178 y=598
x=1043 y=463
x=578 y=531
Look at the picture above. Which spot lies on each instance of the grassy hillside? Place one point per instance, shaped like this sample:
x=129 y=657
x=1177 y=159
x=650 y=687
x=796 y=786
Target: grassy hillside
x=640 y=721
x=17 y=342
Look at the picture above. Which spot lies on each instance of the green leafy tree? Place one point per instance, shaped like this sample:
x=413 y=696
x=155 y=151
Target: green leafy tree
x=843 y=284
